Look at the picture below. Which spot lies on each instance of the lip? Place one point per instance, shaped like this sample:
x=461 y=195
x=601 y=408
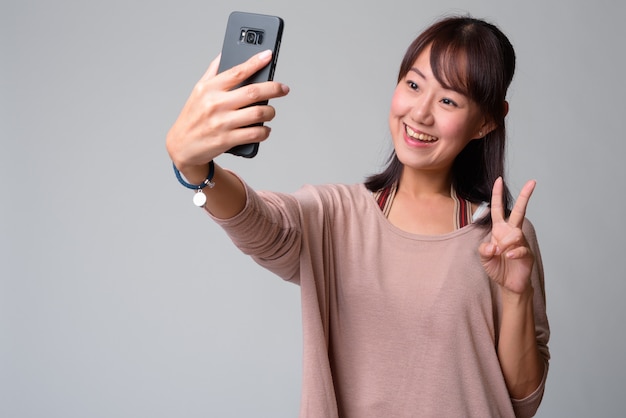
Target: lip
x=414 y=142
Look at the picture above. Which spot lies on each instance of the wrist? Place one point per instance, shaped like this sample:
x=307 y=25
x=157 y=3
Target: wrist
x=510 y=297
x=199 y=198
x=194 y=174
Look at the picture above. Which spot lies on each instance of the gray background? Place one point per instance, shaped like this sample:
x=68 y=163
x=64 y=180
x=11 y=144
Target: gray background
x=118 y=298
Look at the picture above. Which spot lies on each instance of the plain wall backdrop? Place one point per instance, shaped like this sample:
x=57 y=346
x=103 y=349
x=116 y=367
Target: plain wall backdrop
x=119 y=298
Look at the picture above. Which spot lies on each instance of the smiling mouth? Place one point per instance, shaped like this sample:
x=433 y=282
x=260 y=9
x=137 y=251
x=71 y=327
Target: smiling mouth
x=422 y=137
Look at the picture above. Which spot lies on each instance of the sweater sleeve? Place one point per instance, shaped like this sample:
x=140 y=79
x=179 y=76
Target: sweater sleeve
x=528 y=406
x=269 y=230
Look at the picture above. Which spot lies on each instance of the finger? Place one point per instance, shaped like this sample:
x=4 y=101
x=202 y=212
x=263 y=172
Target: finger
x=239 y=73
x=518 y=252
x=258 y=93
x=248 y=116
x=487 y=250
x=512 y=240
x=519 y=210
x=248 y=135
x=256 y=114
x=212 y=70
x=497 y=211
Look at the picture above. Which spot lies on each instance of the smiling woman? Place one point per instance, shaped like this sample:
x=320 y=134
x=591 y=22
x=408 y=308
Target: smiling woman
x=471 y=63
x=417 y=298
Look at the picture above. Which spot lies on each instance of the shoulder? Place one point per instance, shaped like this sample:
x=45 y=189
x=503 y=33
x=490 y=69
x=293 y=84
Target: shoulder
x=335 y=196
x=529 y=230
x=326 y=198
x=335 y=203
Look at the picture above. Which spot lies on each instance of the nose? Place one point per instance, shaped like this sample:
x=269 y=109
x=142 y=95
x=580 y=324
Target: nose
x=422 y=110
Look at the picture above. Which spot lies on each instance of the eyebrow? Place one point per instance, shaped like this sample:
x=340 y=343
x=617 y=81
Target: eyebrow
x=418 y=72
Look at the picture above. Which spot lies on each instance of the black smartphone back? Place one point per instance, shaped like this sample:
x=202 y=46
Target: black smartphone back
x=246 y=35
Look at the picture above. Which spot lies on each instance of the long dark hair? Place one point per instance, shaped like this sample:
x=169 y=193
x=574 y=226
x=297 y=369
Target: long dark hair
x=476 y=59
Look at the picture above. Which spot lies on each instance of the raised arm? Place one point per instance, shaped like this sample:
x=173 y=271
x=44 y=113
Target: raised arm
x=508 y=260
x=216 y=117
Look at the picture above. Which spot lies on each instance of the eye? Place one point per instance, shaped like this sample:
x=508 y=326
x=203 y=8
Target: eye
x=449 y=102
x=412 y=85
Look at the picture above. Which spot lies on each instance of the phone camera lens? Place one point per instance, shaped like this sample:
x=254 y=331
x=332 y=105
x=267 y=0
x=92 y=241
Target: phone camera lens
x=251 y=37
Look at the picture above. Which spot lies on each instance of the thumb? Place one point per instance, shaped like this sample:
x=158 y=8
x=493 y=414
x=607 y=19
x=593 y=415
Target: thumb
x=212 y=70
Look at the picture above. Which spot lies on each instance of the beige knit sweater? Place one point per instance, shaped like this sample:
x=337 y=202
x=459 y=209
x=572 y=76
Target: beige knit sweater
x=394 y=324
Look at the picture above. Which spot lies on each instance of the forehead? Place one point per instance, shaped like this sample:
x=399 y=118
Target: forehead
x=421 y=66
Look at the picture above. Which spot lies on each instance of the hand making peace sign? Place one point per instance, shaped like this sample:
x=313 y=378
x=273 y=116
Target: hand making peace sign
x=507 y=258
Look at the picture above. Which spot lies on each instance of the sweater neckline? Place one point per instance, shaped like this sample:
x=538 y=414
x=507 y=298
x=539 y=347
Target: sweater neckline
x=381 y=216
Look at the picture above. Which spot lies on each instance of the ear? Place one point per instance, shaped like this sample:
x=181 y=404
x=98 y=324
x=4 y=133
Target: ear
x=485 y=128
x=490 y=125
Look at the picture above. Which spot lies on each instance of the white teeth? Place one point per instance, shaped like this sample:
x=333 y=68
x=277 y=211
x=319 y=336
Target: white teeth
x=420 y=137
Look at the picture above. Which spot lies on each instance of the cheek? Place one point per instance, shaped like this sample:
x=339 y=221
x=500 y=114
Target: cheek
x=398 y=106
x=459 y=126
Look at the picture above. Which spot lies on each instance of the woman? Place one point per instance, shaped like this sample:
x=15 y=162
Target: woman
x=418 y=298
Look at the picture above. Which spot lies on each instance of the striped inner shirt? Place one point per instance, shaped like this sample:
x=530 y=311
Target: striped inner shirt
x=462 y=207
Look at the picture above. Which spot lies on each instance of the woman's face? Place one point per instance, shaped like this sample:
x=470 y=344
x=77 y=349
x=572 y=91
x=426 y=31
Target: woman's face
x=430 y=124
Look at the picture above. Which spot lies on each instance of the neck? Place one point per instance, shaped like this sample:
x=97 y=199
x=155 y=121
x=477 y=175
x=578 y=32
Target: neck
x=425 y=183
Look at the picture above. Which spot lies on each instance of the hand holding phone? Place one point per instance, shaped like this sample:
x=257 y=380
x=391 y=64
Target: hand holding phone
x=246 y=35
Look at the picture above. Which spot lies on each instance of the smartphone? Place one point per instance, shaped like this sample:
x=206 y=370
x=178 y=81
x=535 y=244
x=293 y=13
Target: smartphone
x=246 y=35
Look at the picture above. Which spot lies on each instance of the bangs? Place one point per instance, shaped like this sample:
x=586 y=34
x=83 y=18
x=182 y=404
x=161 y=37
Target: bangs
x=449 y=63
x=463 y=60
